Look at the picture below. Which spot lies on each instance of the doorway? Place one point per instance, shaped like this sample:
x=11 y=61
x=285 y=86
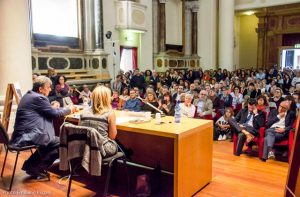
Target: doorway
x=128 y=58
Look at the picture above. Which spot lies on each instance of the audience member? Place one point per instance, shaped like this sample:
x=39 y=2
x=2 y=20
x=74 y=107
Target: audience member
x=222 y=126
x=85 y=94
x=74 y=95
x=166 y=104
x=117 y=84
x=246 y=124
x=115 y=103
x=152 y=100
x=187 y=109
x=204 y=106
x=277 y=99
x=278 y=127
x=62 y=89
x=133 y=103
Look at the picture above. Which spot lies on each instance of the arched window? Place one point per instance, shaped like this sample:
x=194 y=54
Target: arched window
x=55 y=22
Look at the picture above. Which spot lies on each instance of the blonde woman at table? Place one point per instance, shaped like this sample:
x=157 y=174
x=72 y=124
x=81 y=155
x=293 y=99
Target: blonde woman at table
x=101 y=117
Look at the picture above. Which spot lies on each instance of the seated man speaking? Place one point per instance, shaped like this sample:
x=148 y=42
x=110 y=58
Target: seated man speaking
x=33 y=126
x=247 y=123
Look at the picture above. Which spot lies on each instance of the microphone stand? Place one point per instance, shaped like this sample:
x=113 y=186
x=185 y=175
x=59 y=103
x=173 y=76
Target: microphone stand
x=152 y=106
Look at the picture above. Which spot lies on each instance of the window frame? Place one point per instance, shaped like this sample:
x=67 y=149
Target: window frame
x=55 y=43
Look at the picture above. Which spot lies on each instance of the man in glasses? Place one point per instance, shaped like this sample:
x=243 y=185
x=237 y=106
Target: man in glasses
x=280 y=122
x=246 y=124
x=204 y=105
x=277 y=99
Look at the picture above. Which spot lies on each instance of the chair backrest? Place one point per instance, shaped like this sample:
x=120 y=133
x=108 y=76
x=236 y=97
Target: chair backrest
x=3 y=135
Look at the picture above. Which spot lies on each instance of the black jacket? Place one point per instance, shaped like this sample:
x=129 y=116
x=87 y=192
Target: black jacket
x=289 y=119
x=137 y=81
x=258 y=121
x=34 y=120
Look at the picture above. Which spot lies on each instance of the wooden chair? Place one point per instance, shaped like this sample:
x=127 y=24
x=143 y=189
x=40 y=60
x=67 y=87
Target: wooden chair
x=11 y=148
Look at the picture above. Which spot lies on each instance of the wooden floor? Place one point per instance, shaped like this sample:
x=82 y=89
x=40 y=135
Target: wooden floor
x=232 y=176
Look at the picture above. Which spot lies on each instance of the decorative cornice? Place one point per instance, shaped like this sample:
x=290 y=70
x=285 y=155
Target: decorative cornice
x=195 y=6
x=188 y=5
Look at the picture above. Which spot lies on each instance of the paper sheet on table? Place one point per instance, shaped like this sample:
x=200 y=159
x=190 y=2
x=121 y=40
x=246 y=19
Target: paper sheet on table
x=120 y=120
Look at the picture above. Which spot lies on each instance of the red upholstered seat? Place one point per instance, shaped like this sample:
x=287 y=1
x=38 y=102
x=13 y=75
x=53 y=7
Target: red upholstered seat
x=259 y=141
x=290 y=141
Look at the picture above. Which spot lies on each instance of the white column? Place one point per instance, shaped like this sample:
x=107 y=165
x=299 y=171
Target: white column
x=98 y=23
x=15 y=45
x=207 y=33
x=226 y=34
x=89 y=27
x=195 y=9
x=155 y=26
x=188 y=28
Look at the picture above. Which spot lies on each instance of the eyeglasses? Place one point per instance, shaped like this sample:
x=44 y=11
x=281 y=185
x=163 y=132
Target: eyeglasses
x=283 y=107
x=204 y=94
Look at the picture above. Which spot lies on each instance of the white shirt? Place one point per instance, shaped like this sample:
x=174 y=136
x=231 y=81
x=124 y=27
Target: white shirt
x=222 y=121
x=187 y=111
x=236 y=99
x=250 y=121
x=199 y=106
x=280 y=123
x=295 y=80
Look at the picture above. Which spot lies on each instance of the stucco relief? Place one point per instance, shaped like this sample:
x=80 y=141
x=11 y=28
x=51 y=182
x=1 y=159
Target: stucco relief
x=138 y=17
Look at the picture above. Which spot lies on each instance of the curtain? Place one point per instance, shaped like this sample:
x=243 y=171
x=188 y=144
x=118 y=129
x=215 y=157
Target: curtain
x=128 y=59
x=134 y=58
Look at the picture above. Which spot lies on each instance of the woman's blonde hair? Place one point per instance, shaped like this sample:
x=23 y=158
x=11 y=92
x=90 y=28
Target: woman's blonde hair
x=150 y=91
x=101 y=100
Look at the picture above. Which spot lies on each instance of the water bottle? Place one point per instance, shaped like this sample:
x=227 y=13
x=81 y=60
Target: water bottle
x=86 y=106
x=177 y=113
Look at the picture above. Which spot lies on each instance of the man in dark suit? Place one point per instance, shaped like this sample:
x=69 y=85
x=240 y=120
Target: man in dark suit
x=138 y=80
x=54 y=78
x=176 y=96
x=33 y=126
x=246 y=124
x=280 y=122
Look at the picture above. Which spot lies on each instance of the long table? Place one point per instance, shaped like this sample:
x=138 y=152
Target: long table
x=183 y=148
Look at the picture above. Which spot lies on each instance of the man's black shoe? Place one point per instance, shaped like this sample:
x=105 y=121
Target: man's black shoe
x=263 y=160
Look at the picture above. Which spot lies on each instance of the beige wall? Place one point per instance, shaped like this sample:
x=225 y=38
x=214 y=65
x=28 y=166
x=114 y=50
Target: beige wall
x=251 y=4
x=109 y=22
x=246 y=41
x=15 y=45
x=146 y=49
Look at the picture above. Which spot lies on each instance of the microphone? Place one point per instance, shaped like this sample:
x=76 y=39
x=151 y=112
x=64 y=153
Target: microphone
x=149 y=104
